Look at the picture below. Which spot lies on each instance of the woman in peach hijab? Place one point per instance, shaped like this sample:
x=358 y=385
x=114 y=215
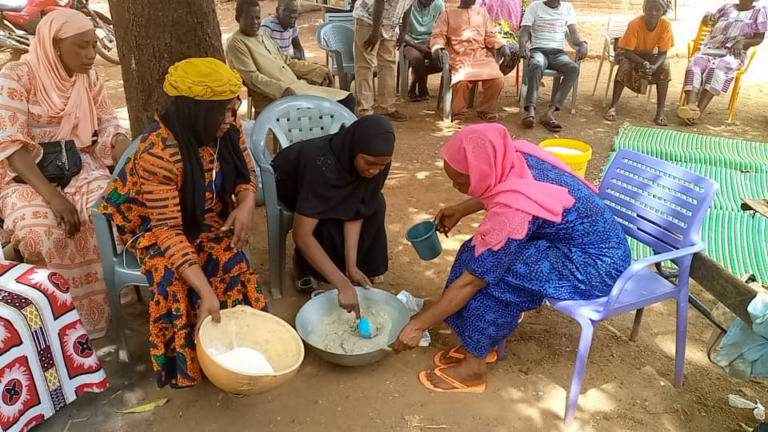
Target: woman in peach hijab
x=54 y=95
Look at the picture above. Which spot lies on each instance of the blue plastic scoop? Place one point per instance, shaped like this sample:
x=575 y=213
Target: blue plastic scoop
x=364 y=328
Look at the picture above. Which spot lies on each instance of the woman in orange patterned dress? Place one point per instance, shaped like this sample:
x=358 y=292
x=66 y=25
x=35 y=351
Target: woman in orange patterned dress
x=54 y=94
x=184 y=203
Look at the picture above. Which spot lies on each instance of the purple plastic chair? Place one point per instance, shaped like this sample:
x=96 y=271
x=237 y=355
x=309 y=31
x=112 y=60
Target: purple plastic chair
x=663 y=206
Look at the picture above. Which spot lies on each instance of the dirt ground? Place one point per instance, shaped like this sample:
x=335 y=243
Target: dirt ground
x=627 y=386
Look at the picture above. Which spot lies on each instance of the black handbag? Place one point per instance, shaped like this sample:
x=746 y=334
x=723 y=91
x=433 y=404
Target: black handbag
x=60 y=162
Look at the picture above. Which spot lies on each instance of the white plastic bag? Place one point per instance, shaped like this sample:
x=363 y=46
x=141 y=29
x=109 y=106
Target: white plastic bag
x=413 y=305
x=758 y=410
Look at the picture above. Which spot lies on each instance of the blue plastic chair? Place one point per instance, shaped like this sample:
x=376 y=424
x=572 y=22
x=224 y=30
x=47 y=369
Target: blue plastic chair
x=663 y=206
x=338 y=17
x=291 y=119
x=337 y=40
x=556 y=76
x=121 y=269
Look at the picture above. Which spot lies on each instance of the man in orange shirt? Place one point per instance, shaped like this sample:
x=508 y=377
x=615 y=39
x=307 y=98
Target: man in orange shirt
x=639 y=65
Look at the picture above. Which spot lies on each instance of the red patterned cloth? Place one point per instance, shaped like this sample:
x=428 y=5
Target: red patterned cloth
x=46 y=356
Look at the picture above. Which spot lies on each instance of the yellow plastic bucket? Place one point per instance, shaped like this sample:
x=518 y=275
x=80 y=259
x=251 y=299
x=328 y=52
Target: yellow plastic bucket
x=577 y=156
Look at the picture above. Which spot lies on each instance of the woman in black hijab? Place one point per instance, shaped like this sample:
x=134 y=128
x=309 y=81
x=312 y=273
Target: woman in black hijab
x=333 y=184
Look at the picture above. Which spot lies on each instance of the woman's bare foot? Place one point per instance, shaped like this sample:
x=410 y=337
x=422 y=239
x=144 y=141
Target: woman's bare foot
x=471 y=371
x=661 y=120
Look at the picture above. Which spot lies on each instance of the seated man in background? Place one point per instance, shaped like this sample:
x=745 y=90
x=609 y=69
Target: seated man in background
x=268 y=72
x=282 y=28
x=424 y=13
x=542 y=41
x=467 y=34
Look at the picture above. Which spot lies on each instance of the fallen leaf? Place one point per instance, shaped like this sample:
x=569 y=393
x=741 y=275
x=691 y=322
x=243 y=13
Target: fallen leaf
x=149 y=406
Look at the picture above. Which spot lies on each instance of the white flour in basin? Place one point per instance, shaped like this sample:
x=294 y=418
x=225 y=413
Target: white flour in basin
x=337 y=332
x=245 y=360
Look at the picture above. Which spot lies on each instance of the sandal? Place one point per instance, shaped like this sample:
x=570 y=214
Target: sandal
x=488 y=117
x=491 y=358
x=553 y=125
x=529 y=121
x=610 y=115
x=458 y=387
x=661 y=121
x=686 y=113
x=458 y=119
x=413 y=97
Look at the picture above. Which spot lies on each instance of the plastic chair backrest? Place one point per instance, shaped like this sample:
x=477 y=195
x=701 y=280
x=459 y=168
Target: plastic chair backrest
x=336 y=36
x=340 y=17
x=701 y=34
x=293 y=119
x=617 y=25
x=656 y=202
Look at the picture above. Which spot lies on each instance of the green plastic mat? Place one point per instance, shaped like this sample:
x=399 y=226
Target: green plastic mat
x=673 y=146
x=735 y=239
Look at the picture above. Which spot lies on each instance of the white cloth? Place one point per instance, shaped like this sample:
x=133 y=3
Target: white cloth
x=548 y=25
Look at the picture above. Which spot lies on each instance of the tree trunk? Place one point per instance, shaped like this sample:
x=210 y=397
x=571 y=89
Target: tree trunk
x=151 y=36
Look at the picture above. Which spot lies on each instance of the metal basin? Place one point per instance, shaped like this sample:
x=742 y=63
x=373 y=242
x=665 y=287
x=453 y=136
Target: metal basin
x=325 y=302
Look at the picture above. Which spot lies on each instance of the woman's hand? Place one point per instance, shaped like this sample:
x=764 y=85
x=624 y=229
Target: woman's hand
x=120 y=143
x=737 y=49
x=209 y=306
x=447 y=218
x=409 y=337
x=356 y=277
x=239 y=221
x=66 y=213
x=348 y=300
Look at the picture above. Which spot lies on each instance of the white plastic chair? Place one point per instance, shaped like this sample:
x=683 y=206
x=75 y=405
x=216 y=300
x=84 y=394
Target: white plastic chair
x=291 y=119
x=617 y=26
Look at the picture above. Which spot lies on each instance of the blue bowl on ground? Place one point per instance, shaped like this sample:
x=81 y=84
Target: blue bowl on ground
x=423 y=237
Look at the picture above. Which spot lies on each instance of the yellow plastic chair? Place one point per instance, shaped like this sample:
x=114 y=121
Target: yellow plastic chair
x=695 y=45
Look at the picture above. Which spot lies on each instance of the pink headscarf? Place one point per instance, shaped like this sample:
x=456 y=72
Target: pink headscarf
x=509 y=10
x=500 y=178
x=61 y=95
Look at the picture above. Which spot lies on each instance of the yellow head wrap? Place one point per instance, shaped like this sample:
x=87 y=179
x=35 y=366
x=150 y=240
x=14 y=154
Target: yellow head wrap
x=202 y=79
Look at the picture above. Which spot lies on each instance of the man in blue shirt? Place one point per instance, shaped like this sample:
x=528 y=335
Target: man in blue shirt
x=282 y=28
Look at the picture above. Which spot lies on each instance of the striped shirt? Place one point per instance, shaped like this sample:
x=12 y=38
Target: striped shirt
x=271 y=27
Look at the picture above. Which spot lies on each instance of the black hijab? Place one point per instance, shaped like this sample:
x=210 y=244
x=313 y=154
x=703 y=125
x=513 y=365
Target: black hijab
x=194 y=124
x=318 y=177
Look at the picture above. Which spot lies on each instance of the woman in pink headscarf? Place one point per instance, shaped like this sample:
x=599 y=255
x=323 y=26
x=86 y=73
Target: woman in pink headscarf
x=545 y=234
x=53 y=95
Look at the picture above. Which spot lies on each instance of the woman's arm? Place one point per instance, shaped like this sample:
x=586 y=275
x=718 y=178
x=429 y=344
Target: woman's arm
x=209 y=301
x=351 y=239
x=66 y=213
x=113 y=138
x=454 y=298
x=303 y=236
x=450 y=216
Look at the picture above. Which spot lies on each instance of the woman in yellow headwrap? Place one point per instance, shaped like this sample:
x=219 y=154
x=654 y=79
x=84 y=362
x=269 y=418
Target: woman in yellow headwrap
x=183 y=203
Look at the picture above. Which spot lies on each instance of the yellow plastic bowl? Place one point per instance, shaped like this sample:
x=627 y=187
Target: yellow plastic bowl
x=577 y=162
x=244 y=326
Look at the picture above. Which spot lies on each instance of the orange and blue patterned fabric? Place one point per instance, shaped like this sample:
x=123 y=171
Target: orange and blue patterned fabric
x=143 y=203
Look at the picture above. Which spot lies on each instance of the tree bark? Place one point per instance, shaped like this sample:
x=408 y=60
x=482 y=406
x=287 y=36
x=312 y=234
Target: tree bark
x=151 y=36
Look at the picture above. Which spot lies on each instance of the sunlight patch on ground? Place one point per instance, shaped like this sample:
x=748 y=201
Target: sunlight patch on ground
x=122 y=116
x=666 y=342
x=421 y=175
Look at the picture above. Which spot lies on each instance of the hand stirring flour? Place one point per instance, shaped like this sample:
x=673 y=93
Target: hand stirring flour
x=245 y=360
x=337 y=332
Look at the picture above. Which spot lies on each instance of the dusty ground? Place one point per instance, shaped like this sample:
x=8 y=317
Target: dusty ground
x=627 y=385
